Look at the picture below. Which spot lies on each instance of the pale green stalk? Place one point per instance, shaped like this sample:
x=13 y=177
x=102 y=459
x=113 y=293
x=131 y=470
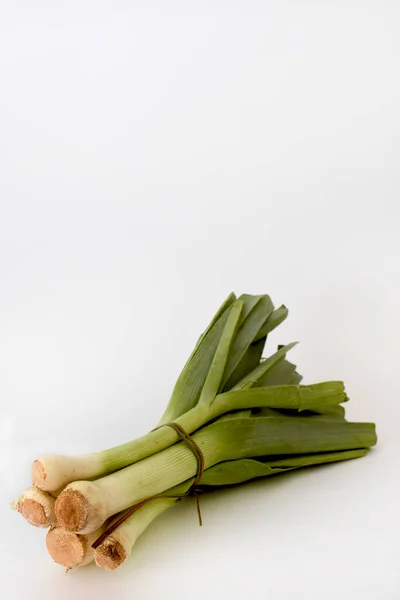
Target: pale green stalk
x=65 y=469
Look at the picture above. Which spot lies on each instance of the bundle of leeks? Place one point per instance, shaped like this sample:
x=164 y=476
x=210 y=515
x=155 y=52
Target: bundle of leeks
x=233 y=416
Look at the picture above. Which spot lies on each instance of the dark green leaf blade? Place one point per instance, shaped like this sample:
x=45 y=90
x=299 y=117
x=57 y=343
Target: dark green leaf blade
x=296 y=378
x=186 y=392
x=264 y=367
x=249 y=362
x=283 y=396
x=279 y=374
x=234 y=472
x=276 y=318
x=256 y=311
x=212 y=383
x=263 y=436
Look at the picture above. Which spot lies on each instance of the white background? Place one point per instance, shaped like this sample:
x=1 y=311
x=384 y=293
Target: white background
x=155 y=156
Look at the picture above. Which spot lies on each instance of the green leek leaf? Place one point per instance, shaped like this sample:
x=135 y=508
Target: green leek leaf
x=264 y=367
x=275 y=319
x=238 y=471
x=190 y=382
x=279 y=374
x=263 y=436
x=248 y=363
x=284 y=396
x=216 y=371
x=256 y=311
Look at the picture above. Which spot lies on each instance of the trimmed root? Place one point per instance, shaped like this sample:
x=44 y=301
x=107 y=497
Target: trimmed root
x=37 y=507
x=72 y=509
x=110 y=554
x=82 y=507
x=66 y=548
x=71 y=549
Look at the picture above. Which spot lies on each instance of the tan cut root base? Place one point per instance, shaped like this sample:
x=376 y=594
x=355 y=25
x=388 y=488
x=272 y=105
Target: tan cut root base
x=72 y=510
x=66 y=548
x=33 y=512
x=110 y=555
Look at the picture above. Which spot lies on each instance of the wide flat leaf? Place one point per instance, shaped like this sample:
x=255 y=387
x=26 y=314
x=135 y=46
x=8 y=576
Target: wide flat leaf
x=250 y=301
x=307 y=460
x=279 y=374
x=296 y=378
x=248 y=363
x=282 y=396
x=263 y=436
x=190 y=382
x=304 y=414
x=226 y=304
x=212 y=383
x=255 y=314
x=332 y=412
x=321 y=412
x=267 y=364
x=238 y=471
x=275 y=319
x=238 y=414
x=266 y=412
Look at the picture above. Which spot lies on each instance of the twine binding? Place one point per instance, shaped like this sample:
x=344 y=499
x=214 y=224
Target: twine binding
x=193 y=446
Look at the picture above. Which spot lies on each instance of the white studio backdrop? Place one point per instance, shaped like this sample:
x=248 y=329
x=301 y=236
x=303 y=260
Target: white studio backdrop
x=153 y=157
